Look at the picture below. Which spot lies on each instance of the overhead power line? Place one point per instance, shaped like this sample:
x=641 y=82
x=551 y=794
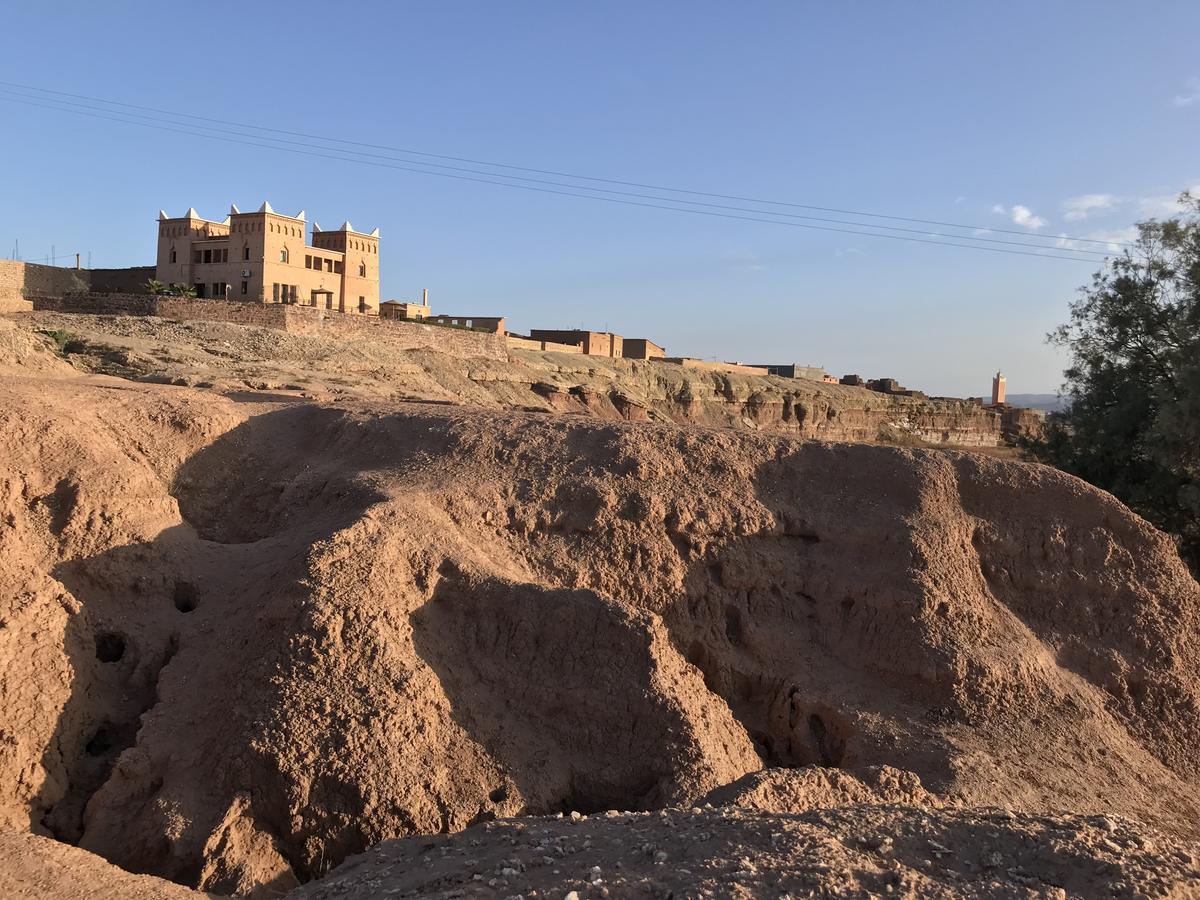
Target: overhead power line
x=642 y=185
x=166 y=121
x=489 y=178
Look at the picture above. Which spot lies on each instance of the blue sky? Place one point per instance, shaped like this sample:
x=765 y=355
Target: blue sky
x=998 y=115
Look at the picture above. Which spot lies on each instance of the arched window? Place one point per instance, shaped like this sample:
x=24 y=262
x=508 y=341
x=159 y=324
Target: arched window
x=172 y=254
x=283 y=255
x=362 y=270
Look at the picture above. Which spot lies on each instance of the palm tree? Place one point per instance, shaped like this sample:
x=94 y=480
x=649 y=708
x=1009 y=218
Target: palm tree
x=156 y=287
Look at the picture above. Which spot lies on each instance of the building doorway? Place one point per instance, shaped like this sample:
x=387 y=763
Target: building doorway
x=322 y=298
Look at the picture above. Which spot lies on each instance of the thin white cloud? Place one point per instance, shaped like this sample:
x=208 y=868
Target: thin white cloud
x=1025 y=217
x=1076 y=209
x=1191 y=94
x=1164 y=206
x=1110 y=241
x=1020 y=215
x=847 y=251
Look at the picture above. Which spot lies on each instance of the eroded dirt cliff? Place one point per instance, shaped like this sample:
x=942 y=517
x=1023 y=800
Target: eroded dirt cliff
x=244 y=639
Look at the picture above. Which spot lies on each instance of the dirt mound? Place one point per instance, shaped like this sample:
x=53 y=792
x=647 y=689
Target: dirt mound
x=854 y=851
x=243 y=641
x=37 y=868
x=24 y=351
x=818 y=787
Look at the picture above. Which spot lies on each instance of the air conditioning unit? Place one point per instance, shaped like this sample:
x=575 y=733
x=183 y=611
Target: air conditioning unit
x=245 y=273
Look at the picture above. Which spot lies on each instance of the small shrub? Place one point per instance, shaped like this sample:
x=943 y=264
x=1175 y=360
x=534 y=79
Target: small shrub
x=64 y=342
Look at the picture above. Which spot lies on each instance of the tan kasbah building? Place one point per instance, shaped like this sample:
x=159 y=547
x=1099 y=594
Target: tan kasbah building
x=262 y=257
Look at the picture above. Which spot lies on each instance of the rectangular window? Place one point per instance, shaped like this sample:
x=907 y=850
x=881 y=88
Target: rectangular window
x=245 y=287
x=172 y=256
x=225 y=255
x=246 y=252
x=275 y=292
x=199 y=289
x=329 y=265
x=308 y=260
x=362 y=304
x=208 y=256
x=338 y=267
x=195 y=256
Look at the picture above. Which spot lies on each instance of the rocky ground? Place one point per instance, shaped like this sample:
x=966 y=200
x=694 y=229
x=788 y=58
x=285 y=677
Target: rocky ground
x=858 y=851
x=231 y=358
x=246 y=638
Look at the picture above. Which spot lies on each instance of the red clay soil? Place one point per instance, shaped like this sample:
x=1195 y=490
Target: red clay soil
x=243 y=641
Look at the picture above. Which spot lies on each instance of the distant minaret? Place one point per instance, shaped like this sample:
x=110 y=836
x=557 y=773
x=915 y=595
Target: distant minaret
x=998 y=385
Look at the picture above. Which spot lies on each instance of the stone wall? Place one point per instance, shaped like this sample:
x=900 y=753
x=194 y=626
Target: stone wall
x=119 y=281
x=97 y=304
x=259 y=315
x=522 y=343
x=706 y=366
x=397 y=333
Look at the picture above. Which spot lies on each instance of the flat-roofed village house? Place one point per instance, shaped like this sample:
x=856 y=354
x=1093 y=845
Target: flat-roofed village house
x=593 y=343
x=793 y=370
x=641 y=348
x=263 y=257
x=494 y=324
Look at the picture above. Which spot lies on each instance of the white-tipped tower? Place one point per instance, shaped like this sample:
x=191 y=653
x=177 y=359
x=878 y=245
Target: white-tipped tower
x=316 y=226
x=374 y=232
x=162 y=215
x=299 y=215
x=346 y=226
x=266 y=208
x=191 y=213
x=233 y=210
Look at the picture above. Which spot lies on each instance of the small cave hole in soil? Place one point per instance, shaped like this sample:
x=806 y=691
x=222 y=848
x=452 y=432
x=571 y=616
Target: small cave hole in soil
x=186 y=597
x=733 y=625
x=110 y=647
x=831 y=749
x=104 y=740
x=499 y=795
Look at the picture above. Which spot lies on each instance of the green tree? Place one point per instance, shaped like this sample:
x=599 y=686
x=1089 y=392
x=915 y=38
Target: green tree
x=156 y=287
x=1133 y=425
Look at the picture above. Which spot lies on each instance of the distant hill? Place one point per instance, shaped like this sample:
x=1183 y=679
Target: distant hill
x=1048 y=402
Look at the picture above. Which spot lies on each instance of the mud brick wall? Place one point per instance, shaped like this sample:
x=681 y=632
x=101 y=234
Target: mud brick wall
x=19 y=280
